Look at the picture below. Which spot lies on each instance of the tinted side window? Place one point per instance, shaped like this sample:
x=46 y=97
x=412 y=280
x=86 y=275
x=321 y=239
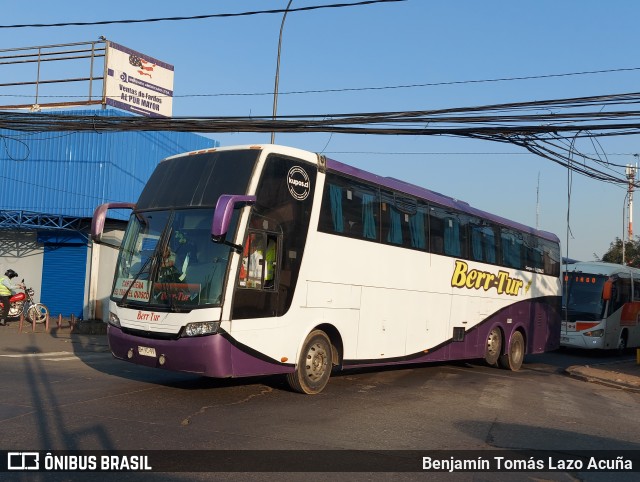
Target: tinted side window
x=550 y=257
x=482 y=240
x=512 y=248
x=448 y=232
x=399 y=221
x=350 y=208
x=419 y=227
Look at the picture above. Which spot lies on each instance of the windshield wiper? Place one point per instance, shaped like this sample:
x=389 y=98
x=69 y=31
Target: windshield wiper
x=123 y=300
x=154 y=255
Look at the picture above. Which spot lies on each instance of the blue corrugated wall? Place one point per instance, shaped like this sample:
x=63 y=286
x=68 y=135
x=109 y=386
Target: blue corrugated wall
x=71 y=173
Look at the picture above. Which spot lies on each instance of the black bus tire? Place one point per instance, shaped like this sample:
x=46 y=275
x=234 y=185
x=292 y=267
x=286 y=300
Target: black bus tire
x=314 y=364
x=513 y=358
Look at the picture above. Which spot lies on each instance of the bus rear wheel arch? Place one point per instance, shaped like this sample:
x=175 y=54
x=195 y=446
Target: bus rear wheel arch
x=314 y=364
x=514 y=354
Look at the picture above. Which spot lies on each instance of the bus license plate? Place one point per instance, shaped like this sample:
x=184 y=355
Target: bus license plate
x=147 y=351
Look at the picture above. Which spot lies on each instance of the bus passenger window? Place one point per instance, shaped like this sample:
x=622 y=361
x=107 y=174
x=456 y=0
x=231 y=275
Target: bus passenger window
x=512 y=244
x=436 y=232
x=335 y=201
x=391 y=220
x=417 y=228
x=621 y=294
x=452 y=236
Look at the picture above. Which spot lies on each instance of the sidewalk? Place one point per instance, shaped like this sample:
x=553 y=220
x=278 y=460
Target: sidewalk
x=625 y=374
x=87 y=336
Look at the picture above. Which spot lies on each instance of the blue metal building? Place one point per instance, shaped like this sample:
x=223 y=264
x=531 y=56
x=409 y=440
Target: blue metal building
x=51 y=182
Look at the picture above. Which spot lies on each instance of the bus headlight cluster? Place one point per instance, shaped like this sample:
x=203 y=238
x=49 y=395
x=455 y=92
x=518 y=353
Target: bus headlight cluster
x=114 y=320
x=201 y=328
x=596 y=333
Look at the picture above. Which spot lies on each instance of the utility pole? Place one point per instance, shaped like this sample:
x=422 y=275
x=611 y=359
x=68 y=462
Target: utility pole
x=538 y=203
x=631 y=177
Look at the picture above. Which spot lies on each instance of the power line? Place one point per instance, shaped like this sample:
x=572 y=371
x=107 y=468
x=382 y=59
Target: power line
x=412 y=86
x=199 y=17
x=479 y=153
x=388 y=87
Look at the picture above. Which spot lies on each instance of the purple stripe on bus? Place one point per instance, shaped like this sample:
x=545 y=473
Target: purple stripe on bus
x=215 y=356
x=211 y=356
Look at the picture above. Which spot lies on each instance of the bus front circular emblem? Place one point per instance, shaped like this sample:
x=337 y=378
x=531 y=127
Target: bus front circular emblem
x=298 y=183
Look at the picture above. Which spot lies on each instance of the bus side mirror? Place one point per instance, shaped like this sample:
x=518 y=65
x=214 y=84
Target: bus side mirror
x=224 y=211
x=100 y=215
x=607 y=289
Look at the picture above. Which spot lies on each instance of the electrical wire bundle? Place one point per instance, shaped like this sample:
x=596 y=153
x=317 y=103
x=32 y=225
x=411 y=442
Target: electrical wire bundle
x=548 y=128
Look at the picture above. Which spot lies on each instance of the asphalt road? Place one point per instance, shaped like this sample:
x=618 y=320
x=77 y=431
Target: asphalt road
x=66 y=392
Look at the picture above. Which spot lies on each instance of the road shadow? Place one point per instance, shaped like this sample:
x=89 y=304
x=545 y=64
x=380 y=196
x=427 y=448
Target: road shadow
x=514 y=436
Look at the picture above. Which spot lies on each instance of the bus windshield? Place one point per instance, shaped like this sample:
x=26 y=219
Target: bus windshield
x=582 y=296
x=169 y=260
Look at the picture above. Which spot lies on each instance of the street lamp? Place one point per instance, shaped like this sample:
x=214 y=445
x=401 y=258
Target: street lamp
x=275 y=88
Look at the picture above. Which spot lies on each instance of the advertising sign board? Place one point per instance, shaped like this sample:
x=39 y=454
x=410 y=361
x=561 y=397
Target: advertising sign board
x=138 y=83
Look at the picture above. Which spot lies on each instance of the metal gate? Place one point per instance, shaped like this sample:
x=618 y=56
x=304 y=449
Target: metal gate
x=63 y=273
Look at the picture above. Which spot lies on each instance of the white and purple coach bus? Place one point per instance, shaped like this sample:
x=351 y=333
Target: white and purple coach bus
x=258 y=260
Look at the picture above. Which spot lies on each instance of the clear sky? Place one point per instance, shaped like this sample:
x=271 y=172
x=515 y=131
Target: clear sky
x=393 y=44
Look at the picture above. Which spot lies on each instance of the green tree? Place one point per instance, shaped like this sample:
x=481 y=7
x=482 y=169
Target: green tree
x=631 y=252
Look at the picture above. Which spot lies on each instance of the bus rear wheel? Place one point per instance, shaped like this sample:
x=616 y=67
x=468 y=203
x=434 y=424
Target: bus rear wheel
x=512 y=360
x=314 y=365
x=493 y=348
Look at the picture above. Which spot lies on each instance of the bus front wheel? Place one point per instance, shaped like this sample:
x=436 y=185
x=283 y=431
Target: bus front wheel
x=314 y=365
x=513 y=358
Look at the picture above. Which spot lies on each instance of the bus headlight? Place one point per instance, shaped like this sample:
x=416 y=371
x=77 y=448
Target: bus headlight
x=596 y=333
x=201 y=328
x=113 y=319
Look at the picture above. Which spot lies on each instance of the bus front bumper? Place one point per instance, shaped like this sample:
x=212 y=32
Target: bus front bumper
x=578 y=340
x=211 y=356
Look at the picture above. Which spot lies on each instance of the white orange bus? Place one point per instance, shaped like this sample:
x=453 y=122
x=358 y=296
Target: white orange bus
x=601 y=304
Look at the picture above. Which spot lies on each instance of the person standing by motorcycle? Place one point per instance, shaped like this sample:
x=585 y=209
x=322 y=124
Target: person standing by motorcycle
x=6 y=290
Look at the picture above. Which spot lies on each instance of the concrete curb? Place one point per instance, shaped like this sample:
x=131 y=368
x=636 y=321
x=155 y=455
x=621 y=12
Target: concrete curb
x=619 y=375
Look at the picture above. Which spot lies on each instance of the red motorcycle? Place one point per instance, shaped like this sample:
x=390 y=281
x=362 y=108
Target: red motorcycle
x=23 y=302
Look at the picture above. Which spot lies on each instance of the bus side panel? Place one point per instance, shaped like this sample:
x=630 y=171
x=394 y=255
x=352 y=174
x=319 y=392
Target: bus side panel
x=540 y=319
x=384 y=317
x=550 y=309
x=432 y=310
x=630 y=321
x=473 y=344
